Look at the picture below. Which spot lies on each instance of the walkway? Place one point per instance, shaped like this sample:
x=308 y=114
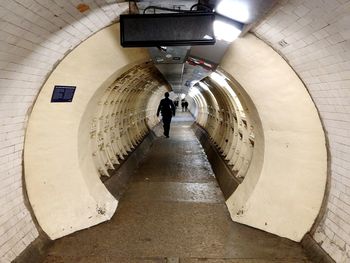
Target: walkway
x=174 y=211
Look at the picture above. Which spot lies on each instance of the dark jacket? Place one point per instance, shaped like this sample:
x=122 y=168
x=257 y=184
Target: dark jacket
x=166 y=107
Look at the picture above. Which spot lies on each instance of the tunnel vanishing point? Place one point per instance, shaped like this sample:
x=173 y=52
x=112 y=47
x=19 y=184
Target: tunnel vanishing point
x=276 y=112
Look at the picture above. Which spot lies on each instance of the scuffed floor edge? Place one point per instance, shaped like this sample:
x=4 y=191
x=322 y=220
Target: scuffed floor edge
x=227 y=181
x=36 y=251
x=314 y=251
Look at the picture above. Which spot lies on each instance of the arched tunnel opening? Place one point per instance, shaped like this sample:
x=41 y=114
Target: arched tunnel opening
x=93 y=176
x=114 y=110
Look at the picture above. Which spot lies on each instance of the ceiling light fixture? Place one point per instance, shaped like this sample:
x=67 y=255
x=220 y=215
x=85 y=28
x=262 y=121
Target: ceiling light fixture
x=203 y=86
x=226 y=29
x=193 y=92
x=236 y=10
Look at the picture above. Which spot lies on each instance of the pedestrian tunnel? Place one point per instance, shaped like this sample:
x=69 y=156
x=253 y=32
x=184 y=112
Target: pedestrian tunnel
x=254 y=109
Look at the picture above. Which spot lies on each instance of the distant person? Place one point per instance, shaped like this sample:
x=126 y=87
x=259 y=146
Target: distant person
x=186 y=105
x=183 y=105
x=167 y=108
x=176 y=103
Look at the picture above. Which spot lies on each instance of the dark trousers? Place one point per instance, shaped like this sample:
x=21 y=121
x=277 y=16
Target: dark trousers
x=166 y=125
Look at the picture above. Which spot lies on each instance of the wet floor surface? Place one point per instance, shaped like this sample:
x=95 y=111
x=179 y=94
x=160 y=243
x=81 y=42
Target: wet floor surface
x=174 y=211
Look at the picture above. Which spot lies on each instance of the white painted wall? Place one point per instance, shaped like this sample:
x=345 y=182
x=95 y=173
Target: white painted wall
x=63 y=186
x=34 y=36
x=317 y=34
x=283 y=193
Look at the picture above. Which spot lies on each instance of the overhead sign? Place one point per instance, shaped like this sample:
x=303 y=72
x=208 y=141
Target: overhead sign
x=167 y=29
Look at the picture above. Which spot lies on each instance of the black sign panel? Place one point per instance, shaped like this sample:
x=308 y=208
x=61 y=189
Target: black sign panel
x=63 y=93
x=170 y=29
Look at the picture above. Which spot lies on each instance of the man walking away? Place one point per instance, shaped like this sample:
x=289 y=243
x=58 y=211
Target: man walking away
x=167 y=108
x=183 y=105
x=186 y=105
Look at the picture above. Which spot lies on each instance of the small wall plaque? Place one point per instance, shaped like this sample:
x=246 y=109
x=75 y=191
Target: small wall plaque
x=63 y=93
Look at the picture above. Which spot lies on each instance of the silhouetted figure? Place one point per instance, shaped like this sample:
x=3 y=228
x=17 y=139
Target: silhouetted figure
x=186 y=105
x=167 y=108
x=183 y=105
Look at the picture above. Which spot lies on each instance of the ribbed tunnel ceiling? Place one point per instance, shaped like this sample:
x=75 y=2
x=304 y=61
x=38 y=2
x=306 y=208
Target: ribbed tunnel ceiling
x=312 y=35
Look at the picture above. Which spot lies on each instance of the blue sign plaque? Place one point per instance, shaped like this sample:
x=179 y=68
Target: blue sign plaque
x=63 y=93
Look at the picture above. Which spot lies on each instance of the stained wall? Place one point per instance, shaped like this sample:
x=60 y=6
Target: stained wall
x=314 y=37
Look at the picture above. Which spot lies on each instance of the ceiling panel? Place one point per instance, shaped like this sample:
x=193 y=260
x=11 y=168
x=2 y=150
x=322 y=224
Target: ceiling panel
x=182 y=75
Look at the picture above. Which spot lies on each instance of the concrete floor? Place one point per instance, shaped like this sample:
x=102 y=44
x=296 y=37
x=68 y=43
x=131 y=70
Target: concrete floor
x=174 y=211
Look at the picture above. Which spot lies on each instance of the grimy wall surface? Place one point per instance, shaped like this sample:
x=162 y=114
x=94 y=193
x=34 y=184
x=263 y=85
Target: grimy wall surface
x=312 y=35
x=58 y=161
x=34 y=37
x=285 y=196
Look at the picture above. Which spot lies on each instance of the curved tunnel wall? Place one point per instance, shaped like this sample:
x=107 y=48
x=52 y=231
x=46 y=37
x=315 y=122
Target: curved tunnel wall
x=35 y=35
x=313 y=36
x=279 y=152
x=69 y=197
x=293 y=175
x=69 y=145
x=121 y=117
x=227 y=120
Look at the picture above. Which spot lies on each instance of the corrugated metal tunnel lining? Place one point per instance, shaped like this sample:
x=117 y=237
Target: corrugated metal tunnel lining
x=228 y=123
x=124 y=115
x=88 y=139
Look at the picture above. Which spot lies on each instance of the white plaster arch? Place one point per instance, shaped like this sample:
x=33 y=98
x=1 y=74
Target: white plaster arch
x=285 y=198
x=64 y=195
